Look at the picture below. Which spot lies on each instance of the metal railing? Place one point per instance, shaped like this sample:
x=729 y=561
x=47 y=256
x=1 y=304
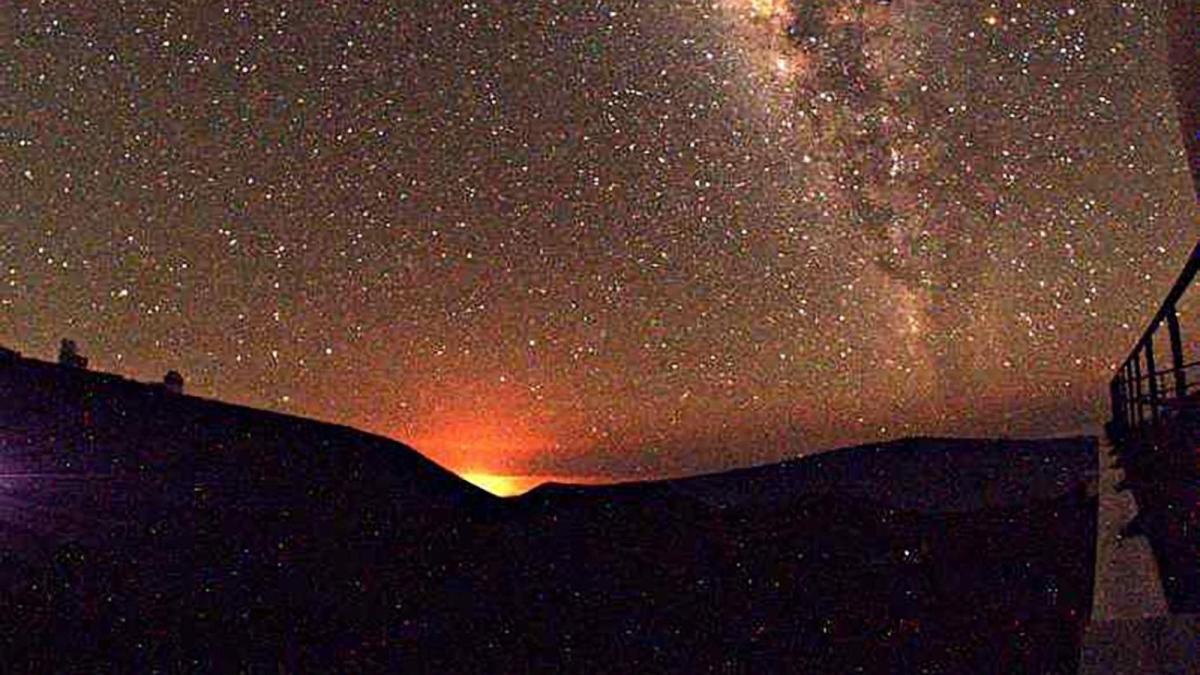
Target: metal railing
x=1141 y=391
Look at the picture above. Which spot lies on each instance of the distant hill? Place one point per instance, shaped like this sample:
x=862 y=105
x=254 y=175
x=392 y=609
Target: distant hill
x=922 y=474
x=918 y=555
x=64 y=420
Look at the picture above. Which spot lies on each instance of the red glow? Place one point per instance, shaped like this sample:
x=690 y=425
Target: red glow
x=482 y=443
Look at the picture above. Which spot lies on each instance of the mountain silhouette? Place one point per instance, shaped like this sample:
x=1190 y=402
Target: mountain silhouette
x=161 y=531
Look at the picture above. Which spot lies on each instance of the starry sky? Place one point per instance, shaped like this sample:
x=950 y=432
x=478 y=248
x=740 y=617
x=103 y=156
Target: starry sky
x=598 y=239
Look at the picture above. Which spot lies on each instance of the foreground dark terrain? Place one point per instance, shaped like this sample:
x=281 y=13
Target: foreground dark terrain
x=1162 y=470
x=168 y=532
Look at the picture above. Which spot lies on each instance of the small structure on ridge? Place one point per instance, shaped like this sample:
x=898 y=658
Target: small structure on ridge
x=69 y=356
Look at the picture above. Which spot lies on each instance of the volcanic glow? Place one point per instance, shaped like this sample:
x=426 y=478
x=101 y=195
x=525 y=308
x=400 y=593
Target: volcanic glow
x=481 y=441
x=511 y=485
x=501 y=486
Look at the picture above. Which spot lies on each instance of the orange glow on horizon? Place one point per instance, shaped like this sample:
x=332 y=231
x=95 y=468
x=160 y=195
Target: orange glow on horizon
x=481 y=444
x=511 y=486
x=501 y=486
x=491 y=436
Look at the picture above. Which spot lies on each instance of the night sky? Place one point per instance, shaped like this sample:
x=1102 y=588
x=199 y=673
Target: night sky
x=605 y=239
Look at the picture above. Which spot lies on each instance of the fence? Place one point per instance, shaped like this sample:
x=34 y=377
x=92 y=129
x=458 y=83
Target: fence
x=1141 y=392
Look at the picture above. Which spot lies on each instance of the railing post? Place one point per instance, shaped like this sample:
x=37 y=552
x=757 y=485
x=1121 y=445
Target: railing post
x=1120 y=416
x=1177 y=352
x=1114 y=399
x=1137 y=386
x=1152 y=376
x=1130 y=396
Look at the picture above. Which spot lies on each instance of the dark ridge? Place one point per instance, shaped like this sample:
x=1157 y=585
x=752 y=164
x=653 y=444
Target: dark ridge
x=64 y=420
x=921 y=473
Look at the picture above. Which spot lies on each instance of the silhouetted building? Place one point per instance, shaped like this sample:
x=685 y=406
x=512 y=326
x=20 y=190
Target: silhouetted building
x=173 y=382
x=68 y=355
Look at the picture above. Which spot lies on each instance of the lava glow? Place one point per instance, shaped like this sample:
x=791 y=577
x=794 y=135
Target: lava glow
x=482 y=442
x=501 y=486
x=513 y=485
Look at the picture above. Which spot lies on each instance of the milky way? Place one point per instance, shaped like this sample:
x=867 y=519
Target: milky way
x=840 y=78
x=598 y=239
